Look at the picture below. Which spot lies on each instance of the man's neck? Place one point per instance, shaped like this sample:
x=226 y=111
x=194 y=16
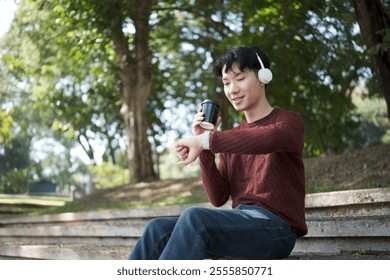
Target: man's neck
x=258 y=113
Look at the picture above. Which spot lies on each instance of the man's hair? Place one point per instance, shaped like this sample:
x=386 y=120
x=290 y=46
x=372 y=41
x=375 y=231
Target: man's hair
x=243 y=57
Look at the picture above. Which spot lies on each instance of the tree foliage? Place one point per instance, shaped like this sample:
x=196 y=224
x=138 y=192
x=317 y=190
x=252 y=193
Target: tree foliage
x=15 y=166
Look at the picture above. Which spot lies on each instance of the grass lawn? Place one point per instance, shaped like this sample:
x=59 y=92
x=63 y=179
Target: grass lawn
x=29 y=204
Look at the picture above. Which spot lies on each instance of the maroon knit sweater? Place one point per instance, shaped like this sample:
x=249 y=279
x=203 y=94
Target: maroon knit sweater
x=260 y=164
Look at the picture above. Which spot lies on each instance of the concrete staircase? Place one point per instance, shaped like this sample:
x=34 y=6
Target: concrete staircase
x=347 y=224
x=342 y=225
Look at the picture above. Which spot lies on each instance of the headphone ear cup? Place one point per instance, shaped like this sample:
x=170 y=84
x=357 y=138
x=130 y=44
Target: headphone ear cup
x=264 y=75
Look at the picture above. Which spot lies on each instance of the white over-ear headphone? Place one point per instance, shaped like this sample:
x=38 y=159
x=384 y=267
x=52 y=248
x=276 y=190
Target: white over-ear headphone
x=264 y=74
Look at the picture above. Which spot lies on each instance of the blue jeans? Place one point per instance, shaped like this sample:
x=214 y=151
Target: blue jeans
x=246 y=232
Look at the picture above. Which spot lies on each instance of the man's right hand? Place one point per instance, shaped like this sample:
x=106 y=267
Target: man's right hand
x=198 y=119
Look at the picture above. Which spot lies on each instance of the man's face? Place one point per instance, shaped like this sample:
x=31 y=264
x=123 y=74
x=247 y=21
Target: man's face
x=242 y=89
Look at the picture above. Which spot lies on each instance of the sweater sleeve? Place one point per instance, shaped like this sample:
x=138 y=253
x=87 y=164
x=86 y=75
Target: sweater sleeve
x=214 y=181
x=285 y=135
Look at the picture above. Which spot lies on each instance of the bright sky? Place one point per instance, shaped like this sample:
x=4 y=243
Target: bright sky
x=7 y=11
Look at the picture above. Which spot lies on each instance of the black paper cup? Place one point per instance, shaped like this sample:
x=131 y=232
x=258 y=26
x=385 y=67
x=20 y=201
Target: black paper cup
x=210 y=108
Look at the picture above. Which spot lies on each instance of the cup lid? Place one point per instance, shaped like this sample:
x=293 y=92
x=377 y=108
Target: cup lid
x=211 y=101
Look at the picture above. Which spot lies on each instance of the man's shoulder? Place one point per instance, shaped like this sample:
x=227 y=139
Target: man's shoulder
x=283 y=113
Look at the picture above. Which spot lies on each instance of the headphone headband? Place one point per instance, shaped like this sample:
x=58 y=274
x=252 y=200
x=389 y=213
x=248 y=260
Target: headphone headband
x=261 y=62
x=264 y=74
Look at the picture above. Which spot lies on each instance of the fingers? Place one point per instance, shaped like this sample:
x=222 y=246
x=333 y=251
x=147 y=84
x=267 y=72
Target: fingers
x=188 y=149
x=188 y=157
x=198 y=118
x=182 y=152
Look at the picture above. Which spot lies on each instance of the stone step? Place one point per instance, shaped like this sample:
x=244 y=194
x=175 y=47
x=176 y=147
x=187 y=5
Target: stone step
x=340 y=224
x=64 y=252
x=73 y=240
x=99 y=216
x=350 y=227
x=346 y=211
x=367 y=202
x=358 y=248
x=347 y=197
x=337 y=227
x=379 y=246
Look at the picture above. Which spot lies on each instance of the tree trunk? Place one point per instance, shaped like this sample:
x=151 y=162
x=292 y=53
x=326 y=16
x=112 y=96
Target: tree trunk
x=135 y=76
x=374 y=21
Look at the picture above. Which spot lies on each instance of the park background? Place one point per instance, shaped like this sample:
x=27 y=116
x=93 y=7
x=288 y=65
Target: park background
x=94 y=93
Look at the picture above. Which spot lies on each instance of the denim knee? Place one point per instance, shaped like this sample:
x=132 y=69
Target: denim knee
x=160 y=224
x=193 y=214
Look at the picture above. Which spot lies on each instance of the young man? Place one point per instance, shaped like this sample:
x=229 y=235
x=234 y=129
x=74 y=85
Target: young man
x=260 y=170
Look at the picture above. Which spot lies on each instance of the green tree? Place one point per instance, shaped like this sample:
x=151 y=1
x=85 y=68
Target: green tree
x=15 y=166
x=83 y=32
x=6 y=122
x=73 y=89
